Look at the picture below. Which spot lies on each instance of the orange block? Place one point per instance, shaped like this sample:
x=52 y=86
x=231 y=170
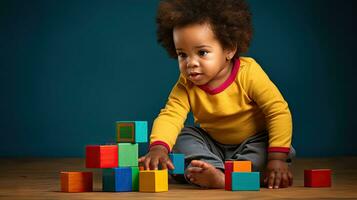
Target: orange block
x=76 y=181
x=242 y=166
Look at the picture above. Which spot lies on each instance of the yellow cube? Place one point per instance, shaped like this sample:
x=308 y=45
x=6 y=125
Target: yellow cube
x=153 y=181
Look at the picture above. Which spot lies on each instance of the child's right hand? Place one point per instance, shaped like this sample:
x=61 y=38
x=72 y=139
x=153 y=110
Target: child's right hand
x=157 y=155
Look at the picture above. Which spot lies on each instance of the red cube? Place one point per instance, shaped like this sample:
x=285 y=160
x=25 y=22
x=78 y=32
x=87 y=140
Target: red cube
x=102 y=156
x=228 y=169
x=317 y=178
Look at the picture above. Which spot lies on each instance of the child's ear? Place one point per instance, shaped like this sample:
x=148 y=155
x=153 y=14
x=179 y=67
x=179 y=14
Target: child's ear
x=230 y=53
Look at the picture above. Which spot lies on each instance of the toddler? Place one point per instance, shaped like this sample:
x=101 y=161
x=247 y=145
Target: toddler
x=239 y=113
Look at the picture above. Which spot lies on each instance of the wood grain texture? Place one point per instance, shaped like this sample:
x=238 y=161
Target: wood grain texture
x=38 y=178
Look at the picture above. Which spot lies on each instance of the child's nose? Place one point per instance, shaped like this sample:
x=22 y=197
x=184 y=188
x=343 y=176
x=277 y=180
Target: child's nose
x=192 y=63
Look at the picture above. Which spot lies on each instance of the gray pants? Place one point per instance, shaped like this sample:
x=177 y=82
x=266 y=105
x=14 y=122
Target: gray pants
x=196 y=144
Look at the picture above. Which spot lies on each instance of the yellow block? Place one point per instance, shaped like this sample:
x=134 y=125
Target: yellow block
x=153 y=181
x=242 y=166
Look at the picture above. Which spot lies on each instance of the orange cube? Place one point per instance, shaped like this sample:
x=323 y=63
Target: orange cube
x=242 y=166
x=76 y=181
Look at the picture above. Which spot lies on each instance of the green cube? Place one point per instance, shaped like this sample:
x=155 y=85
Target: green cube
x=132 y=131
x=128 y=154
x=125 y=131
x=135 y=178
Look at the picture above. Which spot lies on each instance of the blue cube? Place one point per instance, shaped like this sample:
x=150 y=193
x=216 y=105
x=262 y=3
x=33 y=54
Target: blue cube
x=179 y=162
x=117 y=179
x=141 y=131
x=245 y=181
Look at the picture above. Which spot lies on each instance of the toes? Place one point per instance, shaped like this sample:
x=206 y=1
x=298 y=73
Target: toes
x=199 y=163
x=191 y=178
x=194 y=170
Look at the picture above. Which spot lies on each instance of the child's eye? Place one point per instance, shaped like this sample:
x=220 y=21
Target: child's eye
x=202 y=52
x=182 y=55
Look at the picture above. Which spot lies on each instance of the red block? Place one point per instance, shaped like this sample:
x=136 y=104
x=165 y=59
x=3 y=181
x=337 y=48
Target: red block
x=102 y=156
x=228 y=169
x=317 y=178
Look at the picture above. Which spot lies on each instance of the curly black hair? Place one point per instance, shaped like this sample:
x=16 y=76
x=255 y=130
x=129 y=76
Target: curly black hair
x=230 y=21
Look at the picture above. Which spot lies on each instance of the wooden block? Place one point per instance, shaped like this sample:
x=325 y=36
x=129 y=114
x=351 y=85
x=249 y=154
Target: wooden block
x=153 y=181
x=132 y=131
x=117 y=179
x=141 y=131
x=178 y=160
x=228 y=169
x=102 y=156
x=242 y=166
x=125 y=132
x=76 y=181
x=141 y=168
x=135 y=178
x=128 y=155
x=245 y=181
x=317 y=178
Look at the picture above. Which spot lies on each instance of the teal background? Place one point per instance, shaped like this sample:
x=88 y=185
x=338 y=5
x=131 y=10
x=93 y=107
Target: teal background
x=70 y=69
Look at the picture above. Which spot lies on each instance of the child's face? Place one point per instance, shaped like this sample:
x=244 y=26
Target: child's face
x=201 y=57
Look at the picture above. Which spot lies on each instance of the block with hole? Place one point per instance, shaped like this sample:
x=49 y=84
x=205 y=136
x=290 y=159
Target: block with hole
x=131 y=131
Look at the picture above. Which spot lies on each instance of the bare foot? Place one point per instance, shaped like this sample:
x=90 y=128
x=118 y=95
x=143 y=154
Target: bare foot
x=205 y=175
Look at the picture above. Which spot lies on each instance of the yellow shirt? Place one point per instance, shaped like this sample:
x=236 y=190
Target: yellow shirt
x=247 y=105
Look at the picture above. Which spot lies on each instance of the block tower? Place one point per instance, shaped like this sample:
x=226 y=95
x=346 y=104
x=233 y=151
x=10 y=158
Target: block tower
x=125 y=177
x=119 y=162
x=239 y=176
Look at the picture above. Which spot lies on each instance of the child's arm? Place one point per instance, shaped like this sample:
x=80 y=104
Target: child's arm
x=278 y=120
x=166 y=128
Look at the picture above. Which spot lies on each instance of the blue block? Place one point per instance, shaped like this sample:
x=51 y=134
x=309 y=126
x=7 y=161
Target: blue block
x=245 y=181
x=141 y=131
x=179 y=162
x=117 y=179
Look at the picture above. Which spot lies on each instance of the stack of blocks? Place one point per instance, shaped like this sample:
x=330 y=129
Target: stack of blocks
x=239 y=176
x=120 y=161
x=119 y=164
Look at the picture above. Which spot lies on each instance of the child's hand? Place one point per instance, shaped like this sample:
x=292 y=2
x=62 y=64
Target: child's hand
x=278 y=174
x=157 y=155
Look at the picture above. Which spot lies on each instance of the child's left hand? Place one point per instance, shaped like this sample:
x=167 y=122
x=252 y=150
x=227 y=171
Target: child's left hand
x=278 y=175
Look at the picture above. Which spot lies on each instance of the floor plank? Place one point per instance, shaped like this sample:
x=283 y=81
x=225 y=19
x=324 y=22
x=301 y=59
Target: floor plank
x=38 y=178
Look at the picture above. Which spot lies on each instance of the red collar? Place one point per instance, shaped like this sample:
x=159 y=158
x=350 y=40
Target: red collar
x=226 y=83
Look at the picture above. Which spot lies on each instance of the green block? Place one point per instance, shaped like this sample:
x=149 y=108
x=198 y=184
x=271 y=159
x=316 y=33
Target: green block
x=128 y=155
x=132 y=131
x=125 y=132
x=135 y=178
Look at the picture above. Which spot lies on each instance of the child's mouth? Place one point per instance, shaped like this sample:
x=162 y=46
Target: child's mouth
x=195 y=75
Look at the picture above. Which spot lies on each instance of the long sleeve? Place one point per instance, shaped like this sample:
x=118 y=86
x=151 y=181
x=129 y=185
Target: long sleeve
x=170 y=121
x=275 y=109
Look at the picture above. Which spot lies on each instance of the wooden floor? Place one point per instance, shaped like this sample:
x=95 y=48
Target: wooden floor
x=38 y=178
